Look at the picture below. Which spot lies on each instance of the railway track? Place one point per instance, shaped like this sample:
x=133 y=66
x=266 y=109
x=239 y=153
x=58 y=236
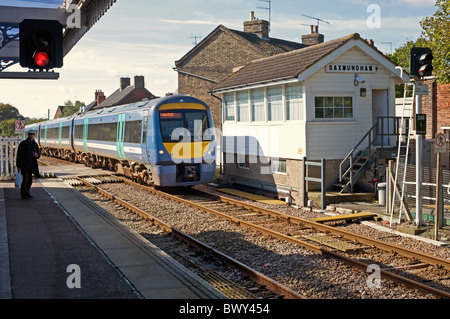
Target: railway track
x=217 y=280
x=354 y=250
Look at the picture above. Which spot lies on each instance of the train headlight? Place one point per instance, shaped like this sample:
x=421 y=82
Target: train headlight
x=161 y=152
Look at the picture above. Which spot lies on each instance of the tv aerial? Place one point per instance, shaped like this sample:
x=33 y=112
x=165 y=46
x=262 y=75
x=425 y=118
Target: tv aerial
x=317 y=19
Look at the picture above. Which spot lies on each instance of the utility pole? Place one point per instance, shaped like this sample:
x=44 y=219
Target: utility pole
x=419 y=221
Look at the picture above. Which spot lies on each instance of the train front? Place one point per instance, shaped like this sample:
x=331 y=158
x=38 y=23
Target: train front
x=184 y=143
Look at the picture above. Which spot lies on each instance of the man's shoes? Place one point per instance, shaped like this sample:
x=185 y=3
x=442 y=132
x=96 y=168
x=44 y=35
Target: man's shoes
x=29 y=196
x=24 y=197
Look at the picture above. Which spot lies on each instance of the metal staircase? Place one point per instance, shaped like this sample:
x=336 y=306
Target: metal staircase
x=357 y=161
x=372 y=146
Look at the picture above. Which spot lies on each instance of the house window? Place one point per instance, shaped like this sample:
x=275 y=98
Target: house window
x=243 y=161
x=258 y=105
x=229 y=107
x=294 y=100
x=275 y=103
x=333 y=107
x=242 y=106
x=279 y=166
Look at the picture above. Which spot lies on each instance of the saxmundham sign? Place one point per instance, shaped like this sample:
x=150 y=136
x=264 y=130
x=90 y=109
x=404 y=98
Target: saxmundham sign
x=351 y=68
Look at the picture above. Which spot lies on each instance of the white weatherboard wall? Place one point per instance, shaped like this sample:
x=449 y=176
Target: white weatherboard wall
x=334 y=139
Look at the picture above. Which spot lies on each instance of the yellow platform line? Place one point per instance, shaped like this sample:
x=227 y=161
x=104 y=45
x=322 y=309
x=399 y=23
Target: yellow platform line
x=256 y=198
x=345 y=217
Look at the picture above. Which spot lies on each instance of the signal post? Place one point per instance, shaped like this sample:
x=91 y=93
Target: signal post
x=421 y=67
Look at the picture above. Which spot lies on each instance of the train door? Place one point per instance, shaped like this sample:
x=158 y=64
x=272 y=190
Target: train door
x=85 y=135
x=60 y=135
x=121 y=136
x=144 y=139
x=45 y=135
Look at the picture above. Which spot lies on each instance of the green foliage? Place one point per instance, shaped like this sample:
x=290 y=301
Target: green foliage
x=71 y=108
x=7 y=127
x=7 y=112
x=401 y=57
x=436 y=29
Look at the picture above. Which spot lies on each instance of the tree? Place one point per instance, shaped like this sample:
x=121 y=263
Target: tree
x=7 y=112
x=71 y=108
x=8 y=128
x=401 y=56
x=436 y=29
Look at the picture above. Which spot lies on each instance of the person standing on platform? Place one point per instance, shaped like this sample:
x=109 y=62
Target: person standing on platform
x=27 y=156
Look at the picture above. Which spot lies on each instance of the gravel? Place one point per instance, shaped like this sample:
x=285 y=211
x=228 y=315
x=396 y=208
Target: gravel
x=310 y=274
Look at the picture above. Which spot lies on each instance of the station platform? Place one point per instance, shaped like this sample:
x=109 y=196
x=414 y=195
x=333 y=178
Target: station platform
x=59 y=239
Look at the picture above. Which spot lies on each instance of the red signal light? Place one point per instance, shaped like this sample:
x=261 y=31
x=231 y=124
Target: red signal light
x=41 y=58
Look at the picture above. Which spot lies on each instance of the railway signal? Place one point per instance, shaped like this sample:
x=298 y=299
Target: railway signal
x=421 y=62
x=41 y=44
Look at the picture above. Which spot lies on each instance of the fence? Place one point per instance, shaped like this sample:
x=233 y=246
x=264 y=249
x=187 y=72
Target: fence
x=428 y=192
x=321 y=180
x=8 y=152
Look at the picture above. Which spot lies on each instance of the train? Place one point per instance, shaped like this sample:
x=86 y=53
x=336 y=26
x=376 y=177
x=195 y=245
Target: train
x=167 y=141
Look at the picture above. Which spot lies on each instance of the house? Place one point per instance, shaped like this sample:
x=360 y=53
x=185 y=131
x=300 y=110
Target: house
x=59 y=112
x=221 y=52
x=333 y=101
x=125 y=94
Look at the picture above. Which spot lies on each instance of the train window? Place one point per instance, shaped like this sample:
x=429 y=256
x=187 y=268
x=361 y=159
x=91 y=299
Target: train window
x=65 y=132
x=79 y=131
x=101 y=132
x=181 y=122
x=133 y=132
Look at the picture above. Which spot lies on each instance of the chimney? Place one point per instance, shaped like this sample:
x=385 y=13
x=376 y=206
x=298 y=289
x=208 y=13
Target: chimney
x=314 y=37
x=139 y=82
x=100 y=96
x=371 y=42
x=124 y=82
x=256 y=26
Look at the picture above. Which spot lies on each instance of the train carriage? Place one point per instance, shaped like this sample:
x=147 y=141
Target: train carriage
x=165 y=142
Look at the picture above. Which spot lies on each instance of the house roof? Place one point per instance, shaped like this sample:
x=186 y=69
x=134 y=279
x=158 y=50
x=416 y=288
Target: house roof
x=282 y=66
x=118 y=96
x=267 y=46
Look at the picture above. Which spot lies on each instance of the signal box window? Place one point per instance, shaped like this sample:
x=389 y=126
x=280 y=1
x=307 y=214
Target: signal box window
x=229 y=107
x=279 y=166
x=333 y=107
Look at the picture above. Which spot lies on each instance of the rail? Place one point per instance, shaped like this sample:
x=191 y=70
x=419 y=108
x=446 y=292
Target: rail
x=303 y=223
x=252 y=274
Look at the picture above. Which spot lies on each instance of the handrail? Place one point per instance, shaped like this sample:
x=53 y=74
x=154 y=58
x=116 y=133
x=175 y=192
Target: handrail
x=374 y=130
x=350 y=155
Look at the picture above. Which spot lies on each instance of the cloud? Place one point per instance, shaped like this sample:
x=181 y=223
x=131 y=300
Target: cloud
x=416 y=3
x=189 y=22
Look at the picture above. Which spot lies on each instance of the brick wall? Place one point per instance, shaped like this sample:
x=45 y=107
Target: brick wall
x=215 y=60
x=437 y=107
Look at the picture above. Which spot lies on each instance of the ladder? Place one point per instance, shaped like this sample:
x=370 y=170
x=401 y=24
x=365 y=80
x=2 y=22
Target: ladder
x=402 y=154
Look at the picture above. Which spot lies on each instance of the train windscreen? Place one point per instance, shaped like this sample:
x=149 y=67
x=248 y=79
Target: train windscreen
x=184 y=125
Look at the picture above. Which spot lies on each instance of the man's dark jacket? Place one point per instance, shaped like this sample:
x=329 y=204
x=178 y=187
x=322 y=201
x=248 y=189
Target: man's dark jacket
x=25 y=159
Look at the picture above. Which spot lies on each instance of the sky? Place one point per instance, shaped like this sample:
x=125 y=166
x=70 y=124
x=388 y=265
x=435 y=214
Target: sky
x=146 y=37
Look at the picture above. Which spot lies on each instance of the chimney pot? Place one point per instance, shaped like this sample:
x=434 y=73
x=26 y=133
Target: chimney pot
x=100 y=97
x=316 y=29
x=124 y=83
x=252 y=16
x=139 y=82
